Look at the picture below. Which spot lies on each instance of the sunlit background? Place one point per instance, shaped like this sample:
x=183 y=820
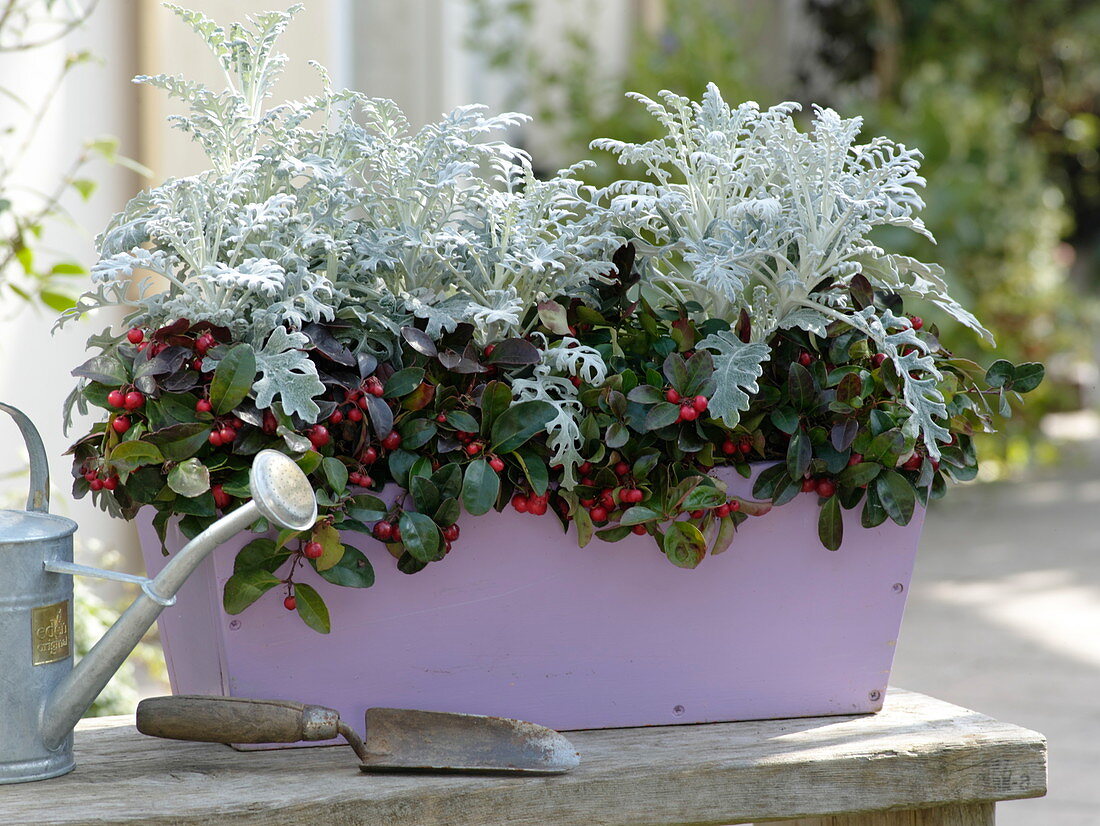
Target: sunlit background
x=1004 y=100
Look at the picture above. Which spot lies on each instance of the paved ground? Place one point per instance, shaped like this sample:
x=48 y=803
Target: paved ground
x=1004 y=617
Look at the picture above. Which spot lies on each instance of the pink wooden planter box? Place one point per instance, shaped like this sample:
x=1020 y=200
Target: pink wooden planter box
x=519 y=622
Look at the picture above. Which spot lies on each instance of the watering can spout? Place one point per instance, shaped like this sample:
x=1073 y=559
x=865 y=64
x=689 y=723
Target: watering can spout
x=281 y=494
x=47 y=694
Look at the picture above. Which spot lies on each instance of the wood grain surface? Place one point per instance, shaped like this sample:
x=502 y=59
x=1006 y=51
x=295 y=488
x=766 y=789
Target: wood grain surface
x=917 y=753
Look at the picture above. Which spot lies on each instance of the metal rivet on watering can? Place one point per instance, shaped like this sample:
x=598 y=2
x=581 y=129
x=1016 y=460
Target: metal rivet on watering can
x=897 y=587
x=678 y=711
x=874 y=696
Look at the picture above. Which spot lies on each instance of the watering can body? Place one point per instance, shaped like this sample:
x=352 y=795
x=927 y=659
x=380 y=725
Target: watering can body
x=36 y=626
x=42 y=693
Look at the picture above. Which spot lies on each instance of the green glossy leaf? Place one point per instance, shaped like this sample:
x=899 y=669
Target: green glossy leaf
x=403 y=382
x=179 y=441
x=799 y=453
x=873 y=513
x=999 y=373
x=425 y=494
x=421 y=536
x=897 y=496
x=1028 y=376
x=727 y=529
x=129 y=456
x=260 y=554
x=333 y=551
x=662 y=415
x=312 y=608
x=800 y=387
x=830 y=524
x=638 y=514
x=244 y=588
x=480 y=487
x=535 y=469
x=352 y=571
x=785 y=419
x=684 y=545
x=495 y=399
x=190 y=478
x=519 y=423
x=233 y=378
x=461 y=420
x=703 y=496
x=336 y=474
x=858 y=475
x=646 y=394
x=448 y=512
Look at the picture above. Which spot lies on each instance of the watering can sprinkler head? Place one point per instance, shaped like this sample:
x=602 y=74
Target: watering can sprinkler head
x=45 y=695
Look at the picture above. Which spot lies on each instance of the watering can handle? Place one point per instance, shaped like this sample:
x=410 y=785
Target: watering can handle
x=39 y=497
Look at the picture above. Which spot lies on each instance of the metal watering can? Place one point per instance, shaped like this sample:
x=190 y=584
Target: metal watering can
x=42 y=696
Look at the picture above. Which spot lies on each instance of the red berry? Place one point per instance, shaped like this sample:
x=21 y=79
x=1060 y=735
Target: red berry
x=722 y=510
x=621 y=468
x=607 y=499
x=489 y=348
x=688 y=413
x=290 y=603
x=89 y=475
x=116 y=398
x=392 y=440
x=221 y=498
x=134 y=400
x=473 y=448
x=383 y=531
x=877 y=359
x=318 y=436
x=805 y=359
x=336 y=417
x=196 y=365
x=808 y=485
x=745 y=445
x=369 y=456
x=598 y=513
x=576 y=380
x=913 y=462
x=215 y=438
x=672 y=396
x=519 y=502
x=374 y=386
x=271 y=424
x=96 y=484
x=584 y=468
x=228 y=434
x=639 y=530
x=141 y=347
x=697 y=514
x=826 y=487
x=441 y=418
x=313 y=550
x=450 y=533
x=734 y=506
x=699 y=403
x=855 y=459
x=917 y=322
x=396 y=532
x=728 y=447
x=537 y=506
x=134 y=335
x=111 y=482
x=355 y=414
x=497 y=464
x=632 y=495
x=362 y=403
x=121 y=424
x=203 y=406
x=587 y=503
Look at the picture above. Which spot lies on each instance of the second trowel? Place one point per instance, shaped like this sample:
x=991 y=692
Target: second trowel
x=398 y=740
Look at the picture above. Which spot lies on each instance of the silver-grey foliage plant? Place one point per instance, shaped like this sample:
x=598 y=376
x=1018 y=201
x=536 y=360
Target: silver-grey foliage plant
x=334 y=209
x=746 y=212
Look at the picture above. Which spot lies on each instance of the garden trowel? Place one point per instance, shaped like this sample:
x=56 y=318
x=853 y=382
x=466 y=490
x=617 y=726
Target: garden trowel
x=398 y=740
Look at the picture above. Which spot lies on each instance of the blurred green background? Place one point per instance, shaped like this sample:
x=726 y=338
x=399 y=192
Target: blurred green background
x=1002 y=98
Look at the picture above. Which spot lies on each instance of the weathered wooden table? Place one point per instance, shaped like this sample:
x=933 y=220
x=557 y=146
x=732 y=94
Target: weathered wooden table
x=919 y=762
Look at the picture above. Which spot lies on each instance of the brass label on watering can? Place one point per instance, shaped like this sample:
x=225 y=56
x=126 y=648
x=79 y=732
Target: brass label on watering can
x=51 y=637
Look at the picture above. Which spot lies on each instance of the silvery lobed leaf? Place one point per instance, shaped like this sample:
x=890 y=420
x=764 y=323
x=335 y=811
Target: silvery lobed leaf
x=288 y=373
x=737 y=366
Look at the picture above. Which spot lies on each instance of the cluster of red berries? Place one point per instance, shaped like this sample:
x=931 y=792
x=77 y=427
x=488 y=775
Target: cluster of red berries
x=128 y=401
x=221 y=498
x=355 y=401
x=532 y=503
x=469 y=441
x=98 y=480
x=915 y=461
x=690 y=409
x=742 y=445
x=823 y=485
x=226 y=432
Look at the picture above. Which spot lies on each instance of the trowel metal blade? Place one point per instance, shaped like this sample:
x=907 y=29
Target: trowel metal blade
x=432 y=741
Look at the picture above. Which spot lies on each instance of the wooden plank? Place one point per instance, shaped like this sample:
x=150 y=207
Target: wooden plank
x=917 y=752
x=976 y=814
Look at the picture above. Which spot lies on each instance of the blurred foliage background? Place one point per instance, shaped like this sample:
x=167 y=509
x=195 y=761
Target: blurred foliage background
x=1003 y=99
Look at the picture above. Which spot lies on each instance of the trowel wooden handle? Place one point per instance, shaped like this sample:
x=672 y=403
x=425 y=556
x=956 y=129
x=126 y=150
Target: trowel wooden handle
x=235 y=720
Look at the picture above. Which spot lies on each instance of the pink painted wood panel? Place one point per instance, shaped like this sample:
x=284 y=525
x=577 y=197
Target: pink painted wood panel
x=519 y=622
